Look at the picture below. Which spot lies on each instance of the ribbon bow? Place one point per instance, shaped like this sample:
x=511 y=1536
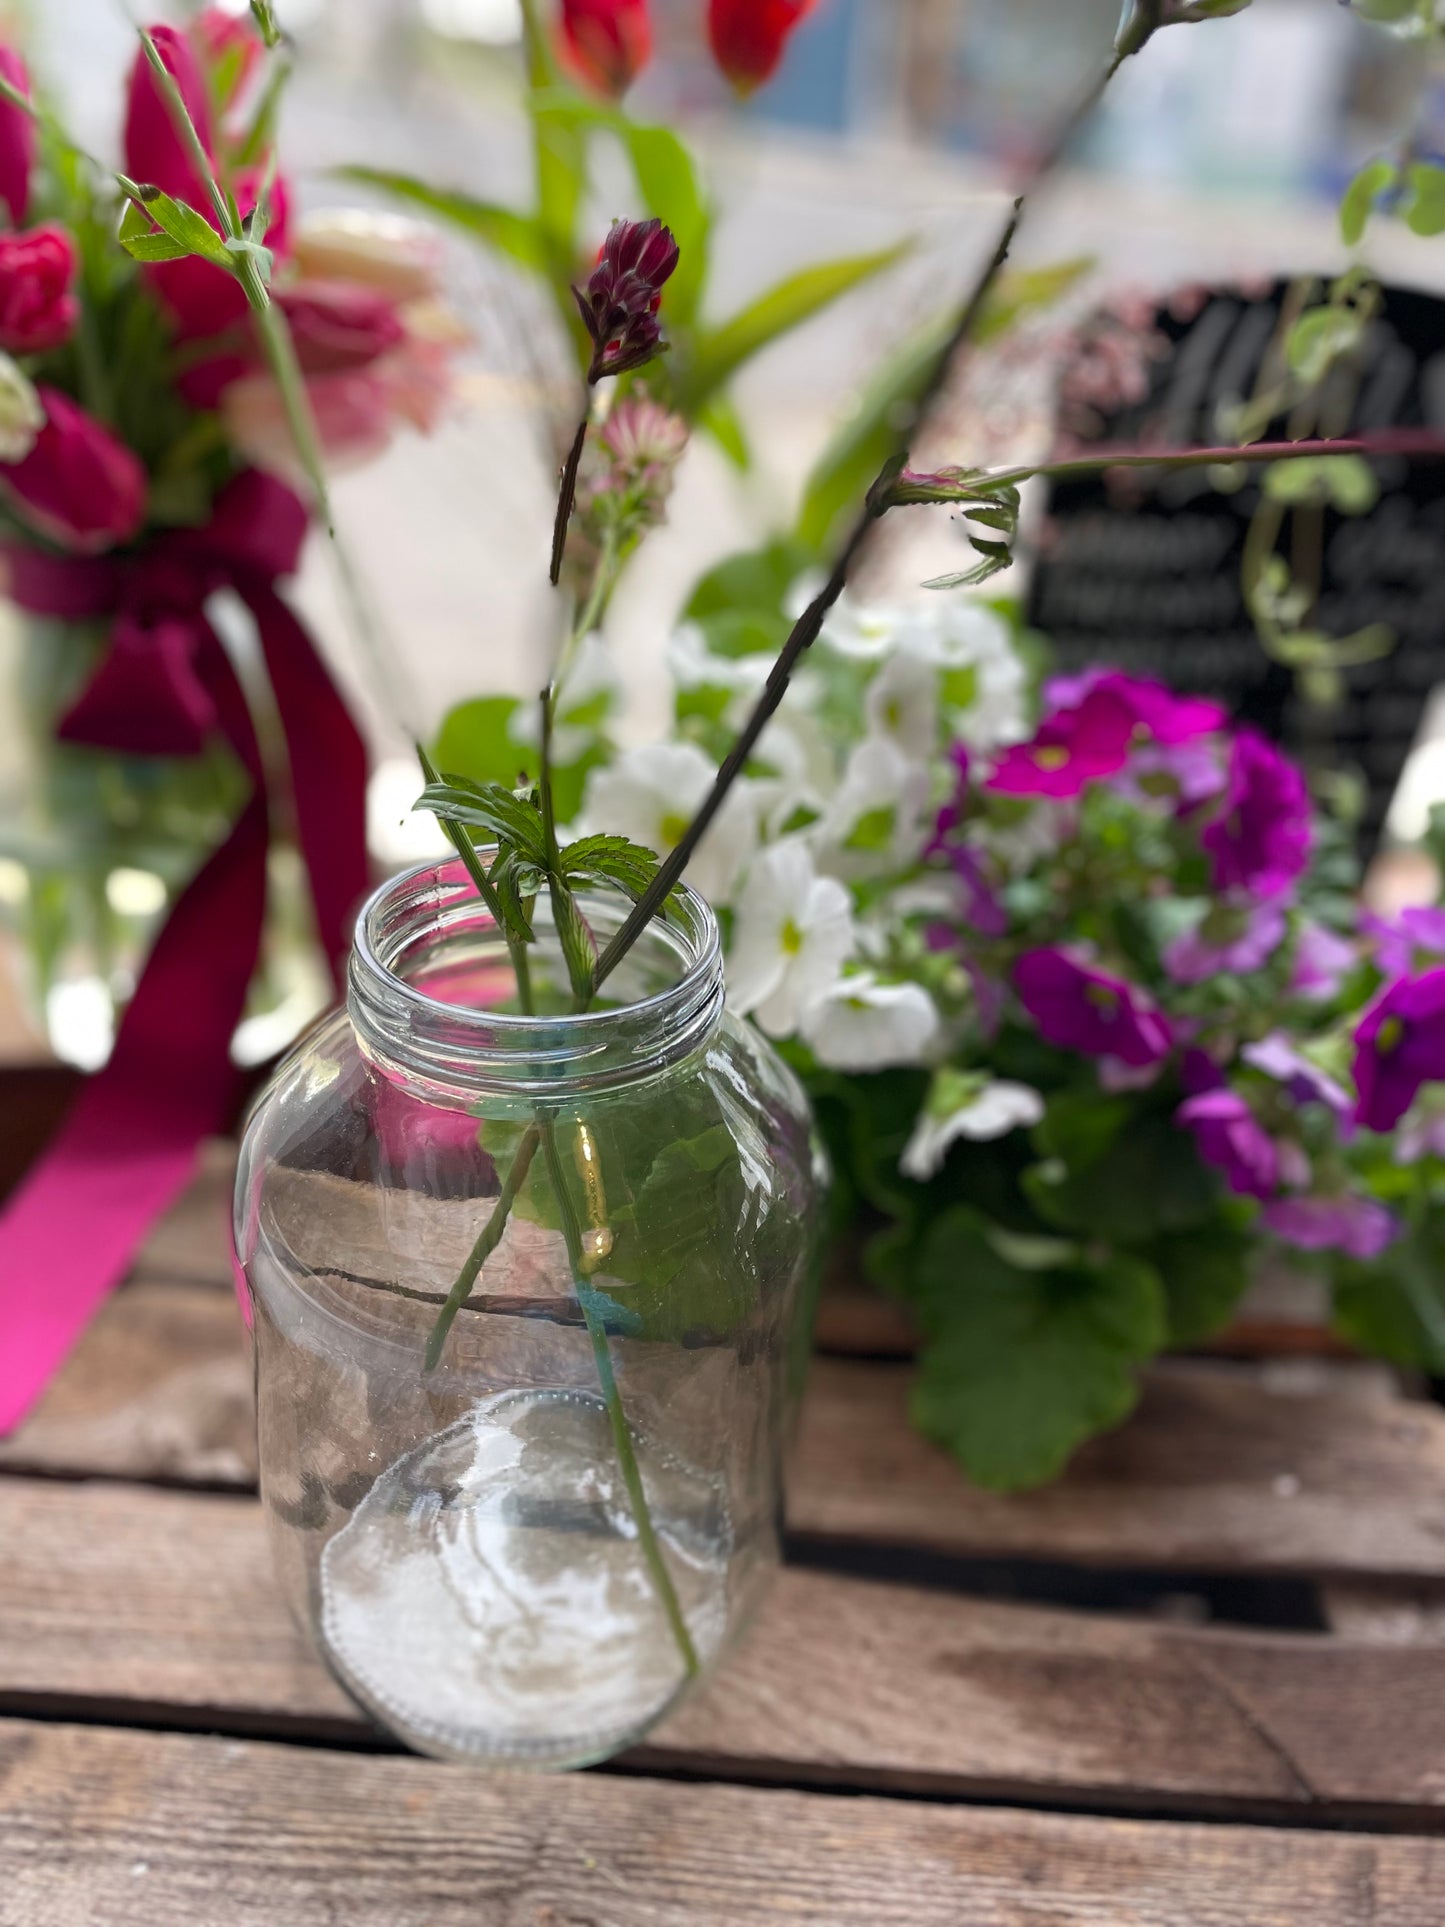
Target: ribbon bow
x=165 y=684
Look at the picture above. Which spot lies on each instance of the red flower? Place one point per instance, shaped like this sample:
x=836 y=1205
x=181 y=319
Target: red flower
x=78 y=485
x=37 y=272
x=749 y=37
x=609 y=42
x=623 y=294
x=17 y=139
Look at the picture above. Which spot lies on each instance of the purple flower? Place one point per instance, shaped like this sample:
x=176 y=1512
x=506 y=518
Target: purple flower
x=982 y=908
x=1357 y=1226
x=1100 y=718
x=1199 y=1073
x=1229 y=1136
x=1228 y=939
x=1322 y=961
x=1277 y=1057
x=1079 y=1008
x=1424 y=1137
x=1260 y=840
x=1399 y=1045
x=1184 y=774
x=623 y=294
x=1409 y=943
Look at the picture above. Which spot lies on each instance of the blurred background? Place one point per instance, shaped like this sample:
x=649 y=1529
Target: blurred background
x=1218 y=157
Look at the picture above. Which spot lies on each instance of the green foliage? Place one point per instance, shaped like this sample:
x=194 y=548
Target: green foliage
x=500 y=228
x=757 y=580
x=507 y=818
x=1023 y=1363
x=1343 y=482
x=182 y=230
x=1204 y=1272
x=1146 y=1182
x=722 y=350
x=611 y=860
x=1424 y=207
x=664 y=1263
x=475 y=741
x=1394 y=1306
x=1374 y=179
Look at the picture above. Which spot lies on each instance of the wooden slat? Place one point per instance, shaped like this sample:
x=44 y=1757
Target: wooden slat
x=192 y=1243
x=1305 y=1469
x=1308 y=1469
x=130 y=1602
x=167 y=1830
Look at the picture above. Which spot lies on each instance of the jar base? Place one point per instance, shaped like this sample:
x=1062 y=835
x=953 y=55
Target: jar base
x=489 y=1600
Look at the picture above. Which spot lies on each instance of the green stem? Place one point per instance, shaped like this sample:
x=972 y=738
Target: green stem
x=617 y=1416
x=486 y=1244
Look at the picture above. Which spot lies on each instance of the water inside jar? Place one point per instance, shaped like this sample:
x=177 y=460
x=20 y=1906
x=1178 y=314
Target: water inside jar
x=489 y=1599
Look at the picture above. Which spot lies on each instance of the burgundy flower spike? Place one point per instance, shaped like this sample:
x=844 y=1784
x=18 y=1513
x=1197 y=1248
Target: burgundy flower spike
x=623 y=294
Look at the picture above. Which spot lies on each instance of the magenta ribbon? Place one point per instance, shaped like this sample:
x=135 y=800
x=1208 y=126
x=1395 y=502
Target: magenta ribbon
x=129 y=1144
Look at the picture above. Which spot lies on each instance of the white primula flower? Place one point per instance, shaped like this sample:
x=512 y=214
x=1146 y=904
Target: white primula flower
x=967 y=1105
x=983 y=685
x=792 y=934
x=902 y=703
x=692 y=665
x=862 y=1025
x=22 y=413
x=652 y=793
x=586 y=698
x=878 y=818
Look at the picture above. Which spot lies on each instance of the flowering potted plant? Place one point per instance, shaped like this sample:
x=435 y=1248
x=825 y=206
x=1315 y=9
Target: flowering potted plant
x=147 y=461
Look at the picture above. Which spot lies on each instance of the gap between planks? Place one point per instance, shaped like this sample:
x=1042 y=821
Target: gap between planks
x=130 y=1603
x=1304 y=1470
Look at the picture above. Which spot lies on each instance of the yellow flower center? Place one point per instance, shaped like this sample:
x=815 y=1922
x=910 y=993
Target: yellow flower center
x=673 y=828
x=791 y=938
x=1053 y=756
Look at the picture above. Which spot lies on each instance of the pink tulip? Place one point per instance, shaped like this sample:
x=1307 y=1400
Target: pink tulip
x=229 y=49
x=78 y=486
x=17 y=139
x=38 y=309
x=155 y=154
x=336 y=325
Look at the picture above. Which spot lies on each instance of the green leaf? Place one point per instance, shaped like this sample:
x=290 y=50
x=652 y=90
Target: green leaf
x=1148 y=1182
x=499 y=228
x=1425 y=210
x=487 y=806
x=610 y=859
x=1373 y=180
x=1205 y=1273
x=1394 y=1305
x=1344 y=482
x=514 y=890
x=476 y=741
x=693 y=1202
x=264 y=15
x=1021 y=1366
x=191 y=232
x=1079 y=1127
x=722 y=351
x=579 y=951
x=1319 y=338
x=722 y=421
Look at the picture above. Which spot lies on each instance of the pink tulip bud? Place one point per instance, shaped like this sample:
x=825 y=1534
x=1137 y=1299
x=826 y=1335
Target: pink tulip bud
x=78 y=485
x=155 y=154
x=38 y=309
x=608 y=42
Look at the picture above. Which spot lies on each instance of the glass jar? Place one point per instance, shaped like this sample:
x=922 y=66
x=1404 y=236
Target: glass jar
x=529 y=1296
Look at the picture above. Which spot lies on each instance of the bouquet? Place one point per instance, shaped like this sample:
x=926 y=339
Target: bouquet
x=146 y=460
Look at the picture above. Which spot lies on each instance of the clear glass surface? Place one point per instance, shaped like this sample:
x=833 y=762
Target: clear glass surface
x=529 y=1296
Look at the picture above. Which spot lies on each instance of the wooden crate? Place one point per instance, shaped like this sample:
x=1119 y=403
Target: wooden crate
x=1201 y=1681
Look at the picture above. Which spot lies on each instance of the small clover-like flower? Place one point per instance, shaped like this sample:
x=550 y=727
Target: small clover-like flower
x=620 y=302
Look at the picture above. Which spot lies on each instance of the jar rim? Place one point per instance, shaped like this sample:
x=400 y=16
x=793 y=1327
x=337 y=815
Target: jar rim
x=468 y=1047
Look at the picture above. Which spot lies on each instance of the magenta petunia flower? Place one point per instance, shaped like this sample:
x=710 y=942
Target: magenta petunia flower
x=1096 y=720
x=1408 y=943
x=1227 y=940
x=1079 y=1008
x=1344 y=1222
x=1260 y=840
x=1322 y=961
x=1399 y=1045
x=1229 y=1136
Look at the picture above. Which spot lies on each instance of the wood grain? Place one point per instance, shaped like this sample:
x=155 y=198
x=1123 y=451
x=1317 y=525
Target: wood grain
x=1302 y=1468
x=165 y=1830
x=126 y=1602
